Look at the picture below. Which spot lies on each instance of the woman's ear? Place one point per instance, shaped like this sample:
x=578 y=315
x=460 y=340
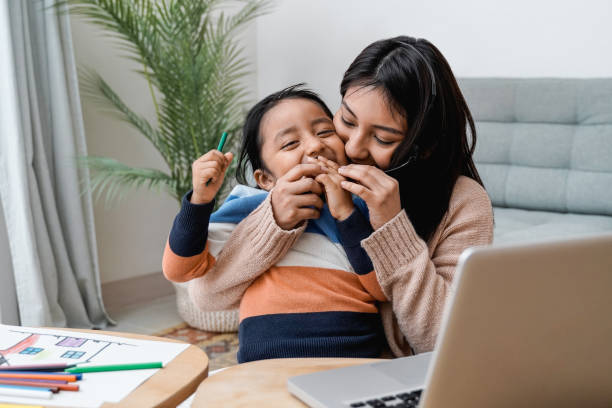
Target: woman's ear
x=264 y=180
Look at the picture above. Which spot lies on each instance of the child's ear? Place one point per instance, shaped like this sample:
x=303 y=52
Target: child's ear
x=264 y=180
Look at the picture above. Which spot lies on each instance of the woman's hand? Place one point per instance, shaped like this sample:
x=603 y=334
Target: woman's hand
x=339 y=200
x=295 y=197
x=377 y=189
x=207 y=173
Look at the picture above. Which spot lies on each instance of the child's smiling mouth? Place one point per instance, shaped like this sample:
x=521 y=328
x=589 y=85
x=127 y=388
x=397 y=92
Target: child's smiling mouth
x=327 y=153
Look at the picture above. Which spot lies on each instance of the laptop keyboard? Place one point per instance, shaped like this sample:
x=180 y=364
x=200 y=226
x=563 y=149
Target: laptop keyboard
x=403 y=400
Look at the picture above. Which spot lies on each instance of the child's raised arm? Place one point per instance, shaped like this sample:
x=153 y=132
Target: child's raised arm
x=185 y=257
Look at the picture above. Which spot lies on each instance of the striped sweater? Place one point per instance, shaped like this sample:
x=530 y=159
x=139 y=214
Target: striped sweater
x=319 y=299
x=414 y=275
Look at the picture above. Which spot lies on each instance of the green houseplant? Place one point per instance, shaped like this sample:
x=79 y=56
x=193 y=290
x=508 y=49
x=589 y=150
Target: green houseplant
x=193 y=65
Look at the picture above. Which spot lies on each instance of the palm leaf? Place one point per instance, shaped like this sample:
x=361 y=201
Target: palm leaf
x=113 y=178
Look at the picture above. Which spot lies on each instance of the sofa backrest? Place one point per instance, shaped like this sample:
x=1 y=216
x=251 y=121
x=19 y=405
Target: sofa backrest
x=544 y=144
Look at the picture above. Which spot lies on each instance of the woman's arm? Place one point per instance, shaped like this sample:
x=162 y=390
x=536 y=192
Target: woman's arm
x=255 y=245
x=415 y=277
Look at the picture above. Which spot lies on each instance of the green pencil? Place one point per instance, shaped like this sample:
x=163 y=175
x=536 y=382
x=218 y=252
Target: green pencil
x=113 y=367
x=222 y=141
x=219 y=148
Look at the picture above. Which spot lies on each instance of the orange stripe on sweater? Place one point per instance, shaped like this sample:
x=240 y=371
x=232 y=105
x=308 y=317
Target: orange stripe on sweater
x=299 y=289
x=178 y=268
x=370 y=283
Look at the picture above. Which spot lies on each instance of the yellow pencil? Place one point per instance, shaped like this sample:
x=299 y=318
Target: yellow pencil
x=19 y=406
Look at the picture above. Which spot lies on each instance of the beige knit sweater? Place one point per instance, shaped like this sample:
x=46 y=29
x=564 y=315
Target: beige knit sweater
x=414 y=275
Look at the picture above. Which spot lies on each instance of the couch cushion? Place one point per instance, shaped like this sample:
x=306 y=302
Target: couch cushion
x=516 y=225
x=544 y=144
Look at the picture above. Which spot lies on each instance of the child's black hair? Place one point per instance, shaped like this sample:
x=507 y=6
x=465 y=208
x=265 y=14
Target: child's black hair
x=250 y=150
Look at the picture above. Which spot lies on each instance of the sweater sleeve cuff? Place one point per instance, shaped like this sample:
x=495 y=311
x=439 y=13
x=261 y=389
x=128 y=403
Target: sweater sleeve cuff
x=352 y=230
x=393 y=246
x=190 y=228
x=269 y=240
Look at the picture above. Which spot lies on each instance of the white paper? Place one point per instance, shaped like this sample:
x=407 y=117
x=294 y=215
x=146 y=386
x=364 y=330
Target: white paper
x=26 y=345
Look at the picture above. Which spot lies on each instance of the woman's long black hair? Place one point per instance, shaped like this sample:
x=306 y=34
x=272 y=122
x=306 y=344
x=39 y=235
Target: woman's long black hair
x=250 y=150
x=418 y=84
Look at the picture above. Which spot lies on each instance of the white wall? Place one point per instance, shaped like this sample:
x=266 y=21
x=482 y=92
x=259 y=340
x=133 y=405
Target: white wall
x=316 y=40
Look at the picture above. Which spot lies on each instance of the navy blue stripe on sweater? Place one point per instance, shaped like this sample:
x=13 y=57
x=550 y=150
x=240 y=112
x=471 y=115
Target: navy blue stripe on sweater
x=320 y=334
x=352 y=231
x=190 y=228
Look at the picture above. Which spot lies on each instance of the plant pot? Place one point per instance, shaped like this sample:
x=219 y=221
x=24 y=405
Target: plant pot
x=215 y=321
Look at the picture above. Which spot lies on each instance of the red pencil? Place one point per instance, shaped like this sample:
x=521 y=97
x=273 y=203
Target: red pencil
x=42 y=384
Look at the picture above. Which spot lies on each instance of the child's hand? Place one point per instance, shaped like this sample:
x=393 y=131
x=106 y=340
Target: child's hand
x=211 y=166
x=295 y=197
x=339 y=200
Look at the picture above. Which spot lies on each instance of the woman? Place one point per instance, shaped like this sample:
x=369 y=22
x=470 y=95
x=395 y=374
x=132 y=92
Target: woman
x=404 y=122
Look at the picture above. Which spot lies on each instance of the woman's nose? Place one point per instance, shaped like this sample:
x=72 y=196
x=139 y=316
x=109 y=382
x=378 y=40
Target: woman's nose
x=355 y=147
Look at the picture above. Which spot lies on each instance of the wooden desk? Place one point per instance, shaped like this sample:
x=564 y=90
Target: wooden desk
x=169 y=386
x=263 y=383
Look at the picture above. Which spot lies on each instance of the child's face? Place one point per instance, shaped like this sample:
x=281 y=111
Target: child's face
x=292 y=131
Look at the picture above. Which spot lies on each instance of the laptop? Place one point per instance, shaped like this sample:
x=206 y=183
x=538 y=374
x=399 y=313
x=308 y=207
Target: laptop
x=525 y=326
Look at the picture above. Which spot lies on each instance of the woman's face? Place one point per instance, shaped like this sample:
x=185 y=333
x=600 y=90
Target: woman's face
x=370 y=129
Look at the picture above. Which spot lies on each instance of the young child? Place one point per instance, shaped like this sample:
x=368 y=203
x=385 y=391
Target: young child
x=316 y=295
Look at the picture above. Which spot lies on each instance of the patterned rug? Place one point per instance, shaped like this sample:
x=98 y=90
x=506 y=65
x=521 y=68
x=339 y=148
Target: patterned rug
x=221 y=348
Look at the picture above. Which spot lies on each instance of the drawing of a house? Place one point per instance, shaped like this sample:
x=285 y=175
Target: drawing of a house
x=21 y=347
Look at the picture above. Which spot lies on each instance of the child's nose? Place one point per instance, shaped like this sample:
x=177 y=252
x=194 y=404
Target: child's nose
x=314 y=146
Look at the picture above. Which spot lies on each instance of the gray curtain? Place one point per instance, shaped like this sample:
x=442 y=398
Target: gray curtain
x=49 y=221
x=9 y=311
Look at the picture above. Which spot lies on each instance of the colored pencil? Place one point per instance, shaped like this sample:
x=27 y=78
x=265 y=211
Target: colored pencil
x=114 y=367
x=23 y=387
x=79 y=377
x=37 y=367
x=19 y=406
x=222 y=141
x=33 y=380
x=52 y=389
x=20 y=391
x=42 y=384
x=219 y=148
x=39 y=376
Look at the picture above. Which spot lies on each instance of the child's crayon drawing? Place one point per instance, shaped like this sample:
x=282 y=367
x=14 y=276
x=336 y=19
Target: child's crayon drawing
x=27 y=347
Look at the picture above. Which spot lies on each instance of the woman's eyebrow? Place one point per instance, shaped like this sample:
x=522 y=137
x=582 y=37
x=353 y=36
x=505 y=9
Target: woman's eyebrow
x=388 y=129
x=381 y=127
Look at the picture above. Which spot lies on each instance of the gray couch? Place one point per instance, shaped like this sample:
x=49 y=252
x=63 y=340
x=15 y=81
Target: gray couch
x=544 y=152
